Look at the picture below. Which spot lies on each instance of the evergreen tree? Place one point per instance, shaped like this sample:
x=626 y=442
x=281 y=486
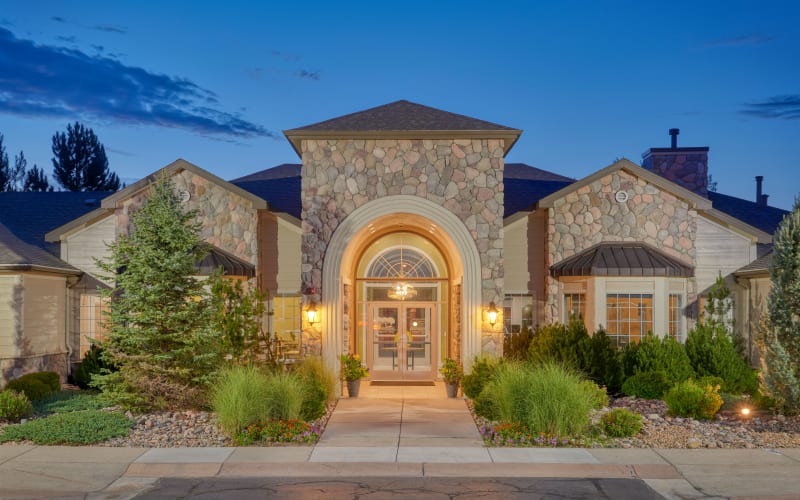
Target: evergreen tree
x=158 y=334
x=781 y=334
x=7 y=174
x=36 y=180
x=80 y=162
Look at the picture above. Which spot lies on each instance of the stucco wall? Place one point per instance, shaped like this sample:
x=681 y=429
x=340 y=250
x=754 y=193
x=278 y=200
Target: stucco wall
x=464 y=176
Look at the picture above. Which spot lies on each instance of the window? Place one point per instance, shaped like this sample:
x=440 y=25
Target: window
x=675 y=326
x=286 y=315
x=517 y=313
x=629 y=316
x=574 y=306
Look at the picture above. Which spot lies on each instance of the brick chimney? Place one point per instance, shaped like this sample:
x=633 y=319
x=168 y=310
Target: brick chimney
x=687 y=167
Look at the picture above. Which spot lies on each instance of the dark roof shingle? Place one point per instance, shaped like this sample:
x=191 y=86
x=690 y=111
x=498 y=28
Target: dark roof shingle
x=763 y=217
x=16 y=254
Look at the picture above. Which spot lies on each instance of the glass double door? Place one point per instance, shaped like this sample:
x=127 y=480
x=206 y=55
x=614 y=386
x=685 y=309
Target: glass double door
x=402 y=341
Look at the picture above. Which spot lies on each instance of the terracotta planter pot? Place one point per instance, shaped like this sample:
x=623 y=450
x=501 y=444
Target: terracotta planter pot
x=452 y=389
x=352 y=388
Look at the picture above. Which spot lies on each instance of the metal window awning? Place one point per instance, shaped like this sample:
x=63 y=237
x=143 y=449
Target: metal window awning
x=231 y=265
x=621 y=259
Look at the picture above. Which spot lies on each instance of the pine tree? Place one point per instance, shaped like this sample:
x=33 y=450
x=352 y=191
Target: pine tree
x=80 y=162
x=781 y=334
x=159 y=313
x=8 y=174
x=36 y=180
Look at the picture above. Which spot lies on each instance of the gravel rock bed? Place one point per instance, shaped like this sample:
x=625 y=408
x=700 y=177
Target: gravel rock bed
x=725 y=431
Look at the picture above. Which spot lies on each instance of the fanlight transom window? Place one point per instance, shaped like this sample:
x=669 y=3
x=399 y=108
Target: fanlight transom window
x=402 y=262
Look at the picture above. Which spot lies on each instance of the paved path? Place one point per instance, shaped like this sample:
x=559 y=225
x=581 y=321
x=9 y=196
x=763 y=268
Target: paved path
x=408 y=439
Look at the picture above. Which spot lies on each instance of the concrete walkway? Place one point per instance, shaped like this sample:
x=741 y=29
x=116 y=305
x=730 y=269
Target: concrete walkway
x=407 y=437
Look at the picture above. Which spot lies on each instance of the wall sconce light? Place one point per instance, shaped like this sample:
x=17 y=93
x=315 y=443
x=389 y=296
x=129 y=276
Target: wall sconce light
x=311 y=313
x=492 y=313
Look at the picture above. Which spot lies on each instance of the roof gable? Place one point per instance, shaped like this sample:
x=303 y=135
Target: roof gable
x=116 y=199
x=16 y=255
x=694 y=200
x=402 y=120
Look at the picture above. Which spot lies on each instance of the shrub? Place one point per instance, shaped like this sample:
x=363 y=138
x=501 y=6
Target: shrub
x=647 y=385
x=598 y=394
x=93 y=363
x=547 y=398
x=319 y=385
x=238 y=398
x=485 y=405
x=482 y=371
x=559 y=343
x=712 y=352
x=600 y=361
x=51 y=379
x=283 y=397
x=663 y=354
x=66 y=401
x=278 y=431
x=516 y=345
x=73 y=428
x=14 y=406
x=689 y=399
x=621 y=422
x=33 y=387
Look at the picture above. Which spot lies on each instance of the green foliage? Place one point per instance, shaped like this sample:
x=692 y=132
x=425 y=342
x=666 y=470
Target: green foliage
x=485 y=405
x=72 y=428
x=559 y=343
x=601 y=360
x=352 y=367
x=690 y=399
x=546 y=398
x=158 y=325
x=780 y=336
x=712 y=353
x=598 y=394
x=238 y=397
x=516 y=345
x=36 y=180
x=283 y=396
x=482 y=371
x=452 y=371
x=278 y=431
x=653 y=353
x=50 y=379
x=237 y=314
x=319 y=385
x=14 y=406
x=647 y=385
x=66 y=401
x=93 y=363
x=621 y=422
x=33 y=385
x=80 y=162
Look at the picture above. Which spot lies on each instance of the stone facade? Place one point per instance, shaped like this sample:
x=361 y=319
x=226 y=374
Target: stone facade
x=686 y=167
x=591 y=215
x=228 y=220
x=465 y=176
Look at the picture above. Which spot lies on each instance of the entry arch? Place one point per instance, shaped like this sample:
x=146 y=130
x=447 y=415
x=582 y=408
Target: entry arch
x=441 y=224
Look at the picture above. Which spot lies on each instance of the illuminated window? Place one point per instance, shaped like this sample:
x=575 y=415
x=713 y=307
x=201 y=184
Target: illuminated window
x=675 y=327
x=629 y=316
x=402 y=262
x=574 y=306
x=517 y=313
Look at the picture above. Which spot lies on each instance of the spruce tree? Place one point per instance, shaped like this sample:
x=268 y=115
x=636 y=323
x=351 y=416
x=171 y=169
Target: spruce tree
x=781 y=334
x=36 y=180
x=158 y=332
x=80 y=162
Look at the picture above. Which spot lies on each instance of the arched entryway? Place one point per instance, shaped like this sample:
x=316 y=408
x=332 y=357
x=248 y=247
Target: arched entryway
x=376 y=227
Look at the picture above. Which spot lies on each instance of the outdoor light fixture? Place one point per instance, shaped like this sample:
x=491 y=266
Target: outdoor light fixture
x=492 y=313
x=745 y=412
x=311 y=313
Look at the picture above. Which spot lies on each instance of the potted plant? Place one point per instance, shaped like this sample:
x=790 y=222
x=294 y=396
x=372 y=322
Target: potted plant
x=452 y=372
x=353 y=371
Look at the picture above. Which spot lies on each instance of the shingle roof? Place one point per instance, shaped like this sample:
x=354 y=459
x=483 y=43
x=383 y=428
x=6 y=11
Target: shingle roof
x=31 y=215
x=621 y=259
x=403 y=120
x=277 y=172
x=522 y=194
x=525 y=171
x=758 y=266
x=231 y=265
x=282 y=194
x=17 y=255
x=765 y=218
x=401 y=115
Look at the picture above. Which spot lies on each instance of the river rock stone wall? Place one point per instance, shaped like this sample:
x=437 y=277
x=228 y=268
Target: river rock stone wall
x=228 y=220
x=465 y=176
x=591 y=215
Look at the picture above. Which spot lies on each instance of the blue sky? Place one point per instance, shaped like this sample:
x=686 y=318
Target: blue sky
x=588 y=82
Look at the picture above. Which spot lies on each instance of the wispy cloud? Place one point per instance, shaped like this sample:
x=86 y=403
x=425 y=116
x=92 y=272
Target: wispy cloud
x=42 y=80
x=741 y=41
x=67 y=39
x=58 y=19
x=108 y=28
x=786 y=107
x=307 y=74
